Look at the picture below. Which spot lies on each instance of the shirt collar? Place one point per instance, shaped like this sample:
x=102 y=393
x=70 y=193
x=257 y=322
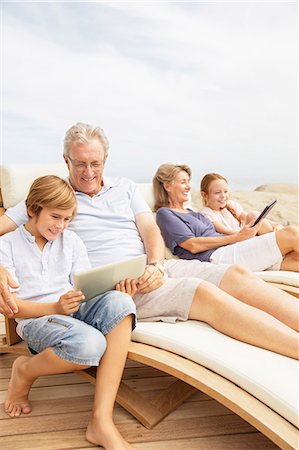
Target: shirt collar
x=28 y=236
x=107 y=184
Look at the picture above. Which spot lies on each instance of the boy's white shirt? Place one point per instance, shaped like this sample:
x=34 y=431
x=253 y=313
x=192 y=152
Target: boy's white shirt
x=43 y=275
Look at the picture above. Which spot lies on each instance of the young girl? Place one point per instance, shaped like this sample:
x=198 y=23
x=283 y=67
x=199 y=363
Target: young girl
x=63 y=333
x=227 y=215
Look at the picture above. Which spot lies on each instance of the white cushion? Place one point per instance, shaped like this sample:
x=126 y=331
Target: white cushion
x=280 y=276
x=146 y=189
x=17 y=179
x=270 y=377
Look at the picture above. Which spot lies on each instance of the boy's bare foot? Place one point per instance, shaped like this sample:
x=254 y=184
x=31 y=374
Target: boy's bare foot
x=17 y=401
x=106 y=435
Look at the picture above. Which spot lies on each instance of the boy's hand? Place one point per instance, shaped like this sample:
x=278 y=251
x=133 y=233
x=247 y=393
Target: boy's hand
x=69 y=303
x=127 y=286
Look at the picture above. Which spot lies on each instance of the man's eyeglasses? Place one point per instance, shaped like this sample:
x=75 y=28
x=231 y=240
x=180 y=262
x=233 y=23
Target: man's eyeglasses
x=80 y=165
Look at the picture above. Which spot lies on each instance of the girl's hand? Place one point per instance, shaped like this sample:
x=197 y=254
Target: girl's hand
x=127 y=286
x=70 y=302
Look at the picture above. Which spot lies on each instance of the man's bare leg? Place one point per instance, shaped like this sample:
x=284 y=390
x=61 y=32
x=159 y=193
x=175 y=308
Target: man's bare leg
x=244 y=285
x=25 y=370
x=101 y=429
x=242 y=321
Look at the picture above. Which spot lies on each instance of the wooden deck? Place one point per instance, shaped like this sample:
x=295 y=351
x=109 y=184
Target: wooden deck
x=62 y=404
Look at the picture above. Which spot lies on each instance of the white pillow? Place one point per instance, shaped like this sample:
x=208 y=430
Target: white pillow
x=16 y=179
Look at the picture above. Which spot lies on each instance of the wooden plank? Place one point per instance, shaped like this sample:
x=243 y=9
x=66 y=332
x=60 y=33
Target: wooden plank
x=252 y=441
x=130 y=429
x=11 y=335
x=63 y=440
x=67 y=392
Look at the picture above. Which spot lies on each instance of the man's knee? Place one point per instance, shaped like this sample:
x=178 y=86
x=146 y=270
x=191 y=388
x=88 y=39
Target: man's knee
x=235 y=278
x=119 y=301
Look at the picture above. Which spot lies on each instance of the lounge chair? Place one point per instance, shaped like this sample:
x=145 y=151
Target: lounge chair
x=258 y=385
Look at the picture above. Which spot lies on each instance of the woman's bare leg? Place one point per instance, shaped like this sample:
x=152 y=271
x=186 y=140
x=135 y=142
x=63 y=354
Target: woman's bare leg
x=244 y=285
x=25 y=370
x=288 y=242
x=242 y=321
x=101 y=429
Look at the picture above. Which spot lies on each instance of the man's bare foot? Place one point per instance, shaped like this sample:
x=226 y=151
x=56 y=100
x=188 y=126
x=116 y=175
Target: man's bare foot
x=17 y=401
x=106 y=435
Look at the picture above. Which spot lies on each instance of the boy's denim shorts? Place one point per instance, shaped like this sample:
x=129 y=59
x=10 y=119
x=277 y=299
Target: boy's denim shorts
x=80 y=338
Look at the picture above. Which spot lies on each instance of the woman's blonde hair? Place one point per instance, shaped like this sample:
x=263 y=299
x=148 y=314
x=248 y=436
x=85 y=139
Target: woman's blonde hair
x=204 y=188
x=166 y=174
x=50 y=191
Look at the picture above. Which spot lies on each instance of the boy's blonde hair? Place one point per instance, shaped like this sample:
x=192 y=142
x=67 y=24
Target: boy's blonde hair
x=166 y=173
x=50 y=191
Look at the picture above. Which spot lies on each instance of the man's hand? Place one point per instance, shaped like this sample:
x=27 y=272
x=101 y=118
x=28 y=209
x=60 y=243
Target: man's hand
x=8 y=306
x=127 y=286
x=69 y=303
x=151 y=279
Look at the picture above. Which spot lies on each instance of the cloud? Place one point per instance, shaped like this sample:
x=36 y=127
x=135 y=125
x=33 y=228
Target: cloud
x=166 y=81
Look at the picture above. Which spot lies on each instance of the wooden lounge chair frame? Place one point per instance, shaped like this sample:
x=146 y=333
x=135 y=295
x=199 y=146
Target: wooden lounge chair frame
x=190 y=376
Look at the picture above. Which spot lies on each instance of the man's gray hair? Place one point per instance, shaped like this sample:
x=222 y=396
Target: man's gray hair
x=83 y=133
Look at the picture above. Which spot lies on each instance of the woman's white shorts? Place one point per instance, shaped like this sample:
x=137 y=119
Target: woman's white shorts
x=257 y=253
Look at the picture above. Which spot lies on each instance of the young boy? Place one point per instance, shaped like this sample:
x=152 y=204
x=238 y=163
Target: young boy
x=65 y=333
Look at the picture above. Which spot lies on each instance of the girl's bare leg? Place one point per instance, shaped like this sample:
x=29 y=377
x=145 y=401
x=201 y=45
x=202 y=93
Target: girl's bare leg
x=101 y=429
x=244 y=285
x=25 y=370
x=266 y=225
x=242 y=321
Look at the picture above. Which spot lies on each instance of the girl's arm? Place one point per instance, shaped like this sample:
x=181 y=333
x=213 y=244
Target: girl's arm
x=67 y=304
x=222 y=228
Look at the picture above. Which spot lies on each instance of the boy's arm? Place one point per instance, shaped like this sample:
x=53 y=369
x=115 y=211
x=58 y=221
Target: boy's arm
x=67 y=304
x=29 y=309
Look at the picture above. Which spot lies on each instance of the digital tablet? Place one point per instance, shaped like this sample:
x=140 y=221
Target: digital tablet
x=265 y=211
x=96 y=281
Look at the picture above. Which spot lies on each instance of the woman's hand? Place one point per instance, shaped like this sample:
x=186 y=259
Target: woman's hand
x=248 y=231
x=8 y=306
x=151 y=279
x=69 y=303
x=128 y=286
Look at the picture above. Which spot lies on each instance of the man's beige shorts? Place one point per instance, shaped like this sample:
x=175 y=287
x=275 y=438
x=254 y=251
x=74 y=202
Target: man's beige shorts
x=172 y=301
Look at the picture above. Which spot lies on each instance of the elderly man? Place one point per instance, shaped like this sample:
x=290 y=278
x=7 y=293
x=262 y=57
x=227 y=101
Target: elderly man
x=115 y=223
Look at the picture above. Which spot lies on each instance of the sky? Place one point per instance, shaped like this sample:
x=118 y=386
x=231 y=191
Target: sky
x=209 y=84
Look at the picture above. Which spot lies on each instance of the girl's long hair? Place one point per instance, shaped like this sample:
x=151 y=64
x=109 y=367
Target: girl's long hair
x=204 y=187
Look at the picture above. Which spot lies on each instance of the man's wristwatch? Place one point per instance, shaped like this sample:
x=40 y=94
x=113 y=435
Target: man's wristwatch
x=159 y=267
